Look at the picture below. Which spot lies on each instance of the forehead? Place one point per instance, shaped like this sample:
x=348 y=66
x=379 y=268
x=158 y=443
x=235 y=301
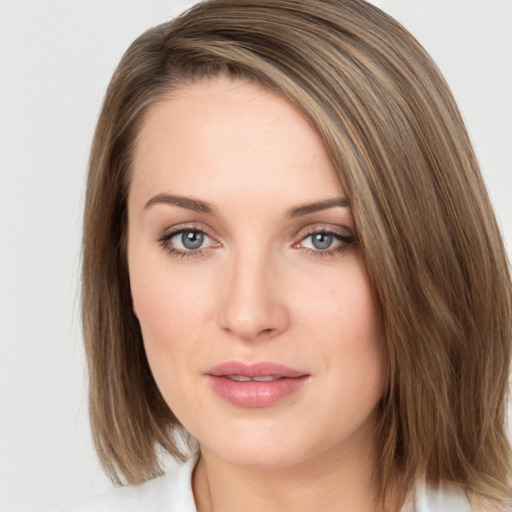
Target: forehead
x=222 y=137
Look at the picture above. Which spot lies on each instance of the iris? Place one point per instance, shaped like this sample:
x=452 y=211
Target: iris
x=321 y=241
x=192 y=239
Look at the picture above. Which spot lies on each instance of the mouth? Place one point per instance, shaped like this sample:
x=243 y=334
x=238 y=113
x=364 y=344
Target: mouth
x=255 y=385
x=243 y=378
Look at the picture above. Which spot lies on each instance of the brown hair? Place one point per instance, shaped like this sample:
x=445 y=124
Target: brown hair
x=431 y=245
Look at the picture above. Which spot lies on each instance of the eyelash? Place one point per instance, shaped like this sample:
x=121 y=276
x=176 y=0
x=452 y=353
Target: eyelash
x=344 y=242
x=165 y=240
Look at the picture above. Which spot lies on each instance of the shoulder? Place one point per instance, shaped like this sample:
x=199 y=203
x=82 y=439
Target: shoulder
x=445 y=497
x=171 y=492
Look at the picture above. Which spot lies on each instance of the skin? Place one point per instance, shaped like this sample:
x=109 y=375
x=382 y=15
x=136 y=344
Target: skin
x=258 y=289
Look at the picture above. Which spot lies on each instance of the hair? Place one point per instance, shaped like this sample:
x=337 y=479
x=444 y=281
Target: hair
x=429 y=239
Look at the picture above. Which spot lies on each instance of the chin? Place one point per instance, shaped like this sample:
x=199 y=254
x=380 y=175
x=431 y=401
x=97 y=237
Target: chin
x=262 y=458
x=260 y=447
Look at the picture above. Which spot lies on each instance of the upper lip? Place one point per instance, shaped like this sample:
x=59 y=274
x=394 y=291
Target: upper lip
x=256 y=369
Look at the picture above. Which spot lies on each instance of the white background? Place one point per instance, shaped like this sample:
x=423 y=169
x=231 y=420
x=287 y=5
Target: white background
x=56 y=57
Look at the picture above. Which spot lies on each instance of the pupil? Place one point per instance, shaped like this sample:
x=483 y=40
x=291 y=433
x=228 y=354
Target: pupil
x=192 y=239
x=322 y=241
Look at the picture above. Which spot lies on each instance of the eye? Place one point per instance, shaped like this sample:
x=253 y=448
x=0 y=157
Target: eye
x=186 y=242
x=324 y=242
x=320 y=241
x=189 y=240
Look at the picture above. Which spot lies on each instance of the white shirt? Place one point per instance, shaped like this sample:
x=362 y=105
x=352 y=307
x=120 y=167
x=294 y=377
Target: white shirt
x=172 y=492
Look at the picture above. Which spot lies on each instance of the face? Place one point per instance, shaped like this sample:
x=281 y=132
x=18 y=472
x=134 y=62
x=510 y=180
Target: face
x=247 y=279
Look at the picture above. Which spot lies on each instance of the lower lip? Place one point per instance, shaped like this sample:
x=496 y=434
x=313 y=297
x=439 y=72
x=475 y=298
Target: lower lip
x=255 y=394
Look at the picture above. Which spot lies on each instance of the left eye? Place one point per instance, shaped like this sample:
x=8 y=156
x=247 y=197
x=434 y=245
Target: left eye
x=321 y=241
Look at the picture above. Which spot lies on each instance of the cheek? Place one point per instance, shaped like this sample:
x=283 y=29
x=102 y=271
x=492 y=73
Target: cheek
x=171 y=325
x=346 y=323
x=167 y=301
x=168 y=309
x=343 y=307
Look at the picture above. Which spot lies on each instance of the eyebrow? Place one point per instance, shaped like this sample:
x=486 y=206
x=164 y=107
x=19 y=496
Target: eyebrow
x=203 y=207
x=183 y=202
x=318 y=206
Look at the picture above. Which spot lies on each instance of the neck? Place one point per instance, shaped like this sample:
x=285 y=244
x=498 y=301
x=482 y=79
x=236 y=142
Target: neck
x=333 y=482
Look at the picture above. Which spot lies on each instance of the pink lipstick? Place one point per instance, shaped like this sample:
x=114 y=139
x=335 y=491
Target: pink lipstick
x=254 y=384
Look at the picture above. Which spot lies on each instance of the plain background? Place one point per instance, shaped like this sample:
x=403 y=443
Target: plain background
x=56 y=57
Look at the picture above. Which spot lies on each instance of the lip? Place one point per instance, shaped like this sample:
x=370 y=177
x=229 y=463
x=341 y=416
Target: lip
x=253 y=394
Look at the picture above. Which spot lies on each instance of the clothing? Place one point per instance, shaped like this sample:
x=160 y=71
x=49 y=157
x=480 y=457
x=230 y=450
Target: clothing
x=172 y=492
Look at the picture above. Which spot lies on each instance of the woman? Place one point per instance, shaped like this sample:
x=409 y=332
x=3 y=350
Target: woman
x=292 y=267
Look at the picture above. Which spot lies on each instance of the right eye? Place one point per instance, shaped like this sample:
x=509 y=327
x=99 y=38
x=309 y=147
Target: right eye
x=187 y=242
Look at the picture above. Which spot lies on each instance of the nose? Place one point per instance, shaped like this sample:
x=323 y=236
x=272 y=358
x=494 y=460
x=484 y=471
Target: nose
x=253 y=304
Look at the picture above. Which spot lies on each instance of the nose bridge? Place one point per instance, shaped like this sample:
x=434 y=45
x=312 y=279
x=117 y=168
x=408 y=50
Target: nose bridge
x=252 y=305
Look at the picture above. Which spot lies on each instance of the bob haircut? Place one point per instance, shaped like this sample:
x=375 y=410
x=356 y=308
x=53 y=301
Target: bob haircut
x=430 y=242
